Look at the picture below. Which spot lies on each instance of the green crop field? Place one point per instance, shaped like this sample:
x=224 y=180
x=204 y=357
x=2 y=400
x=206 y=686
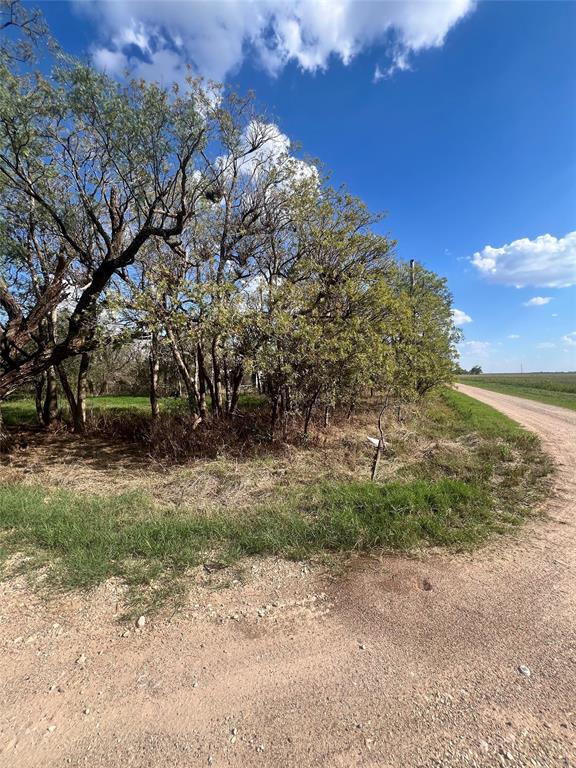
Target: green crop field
x=551 y=388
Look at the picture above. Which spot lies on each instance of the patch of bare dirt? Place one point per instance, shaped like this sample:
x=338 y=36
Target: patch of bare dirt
x=397 y=662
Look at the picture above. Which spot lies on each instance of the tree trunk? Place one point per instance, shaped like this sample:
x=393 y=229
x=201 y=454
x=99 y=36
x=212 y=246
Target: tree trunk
x=187 y=377
x=284 y=404
x=203 y=382
x=227 y=392
x=77 y=402
x=309 y=409
x=202 y=407
x=237 y=377
x=50 y=410
x=154 y=371
x=38 y=390
x=351 y=408
x=67 y=391
x=274 y=416
x=4 y=437
x=217 y=391
x=80 y=413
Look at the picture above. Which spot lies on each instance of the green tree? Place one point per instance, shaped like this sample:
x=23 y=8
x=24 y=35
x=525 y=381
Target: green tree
x=90 y=171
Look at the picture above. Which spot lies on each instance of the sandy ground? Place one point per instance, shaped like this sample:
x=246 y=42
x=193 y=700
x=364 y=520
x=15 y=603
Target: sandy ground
x=398 y=662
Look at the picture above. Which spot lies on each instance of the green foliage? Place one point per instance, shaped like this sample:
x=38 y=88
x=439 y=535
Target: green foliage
x=181 y=215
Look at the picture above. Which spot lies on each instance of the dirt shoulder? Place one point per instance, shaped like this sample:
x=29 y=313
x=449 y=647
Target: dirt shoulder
x=399 y=662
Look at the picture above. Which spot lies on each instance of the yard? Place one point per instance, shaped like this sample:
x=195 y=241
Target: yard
x=79 y=510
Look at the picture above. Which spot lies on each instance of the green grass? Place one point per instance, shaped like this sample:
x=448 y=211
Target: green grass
x=483 y=477
x=22 y=411
x=466 y=415
x=91 y=539
x=550 y=388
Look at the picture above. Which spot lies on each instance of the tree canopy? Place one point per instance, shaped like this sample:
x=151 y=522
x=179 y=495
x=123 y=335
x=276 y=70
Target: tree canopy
x=182 y=219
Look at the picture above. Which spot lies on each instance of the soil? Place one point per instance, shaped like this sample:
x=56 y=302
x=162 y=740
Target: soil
x=434 y=660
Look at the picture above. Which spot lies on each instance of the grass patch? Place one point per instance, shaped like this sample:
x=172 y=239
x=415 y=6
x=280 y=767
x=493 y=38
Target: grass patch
x=22 y=411
x=91 y=539
x=479 y=474
x=465 y=415
x=550 y=388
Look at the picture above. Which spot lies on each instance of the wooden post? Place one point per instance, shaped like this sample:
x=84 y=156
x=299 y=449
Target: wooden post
x=378 y=442
x=376 y=459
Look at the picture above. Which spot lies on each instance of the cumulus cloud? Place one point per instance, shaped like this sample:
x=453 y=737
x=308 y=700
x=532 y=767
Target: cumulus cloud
x=215 y=36
x=546 y=261
x=263 y=148
x=460 y=317
x=513 y=336
x=570 y=339
x=538 y=301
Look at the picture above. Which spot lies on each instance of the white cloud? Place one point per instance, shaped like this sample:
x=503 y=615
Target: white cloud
x=479 y=348
x=570 y=339
x=215 y=37
x=379 y=74
x=460 y=317
x=112 y=62
x=545 y=345
x=538 y=301
x=513 y=336
x=262 y=148
x=546 y=261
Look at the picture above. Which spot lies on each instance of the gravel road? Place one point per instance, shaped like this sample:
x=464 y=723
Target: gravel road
x=436 y=660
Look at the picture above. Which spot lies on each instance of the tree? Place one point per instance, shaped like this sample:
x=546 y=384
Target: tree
x=21 y=30
x=476 y=370
x=324 y=305
x=174 y=231
x=199 y=297
x=90 y=171
x=424 y=336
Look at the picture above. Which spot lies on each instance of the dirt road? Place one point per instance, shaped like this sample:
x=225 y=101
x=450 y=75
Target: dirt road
x=398 y=663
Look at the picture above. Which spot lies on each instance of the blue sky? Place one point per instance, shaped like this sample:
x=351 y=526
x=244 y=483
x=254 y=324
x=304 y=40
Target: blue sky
x=459 y=119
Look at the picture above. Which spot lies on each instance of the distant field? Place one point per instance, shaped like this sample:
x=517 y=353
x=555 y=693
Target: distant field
x=22 y=411
x=551 y=388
